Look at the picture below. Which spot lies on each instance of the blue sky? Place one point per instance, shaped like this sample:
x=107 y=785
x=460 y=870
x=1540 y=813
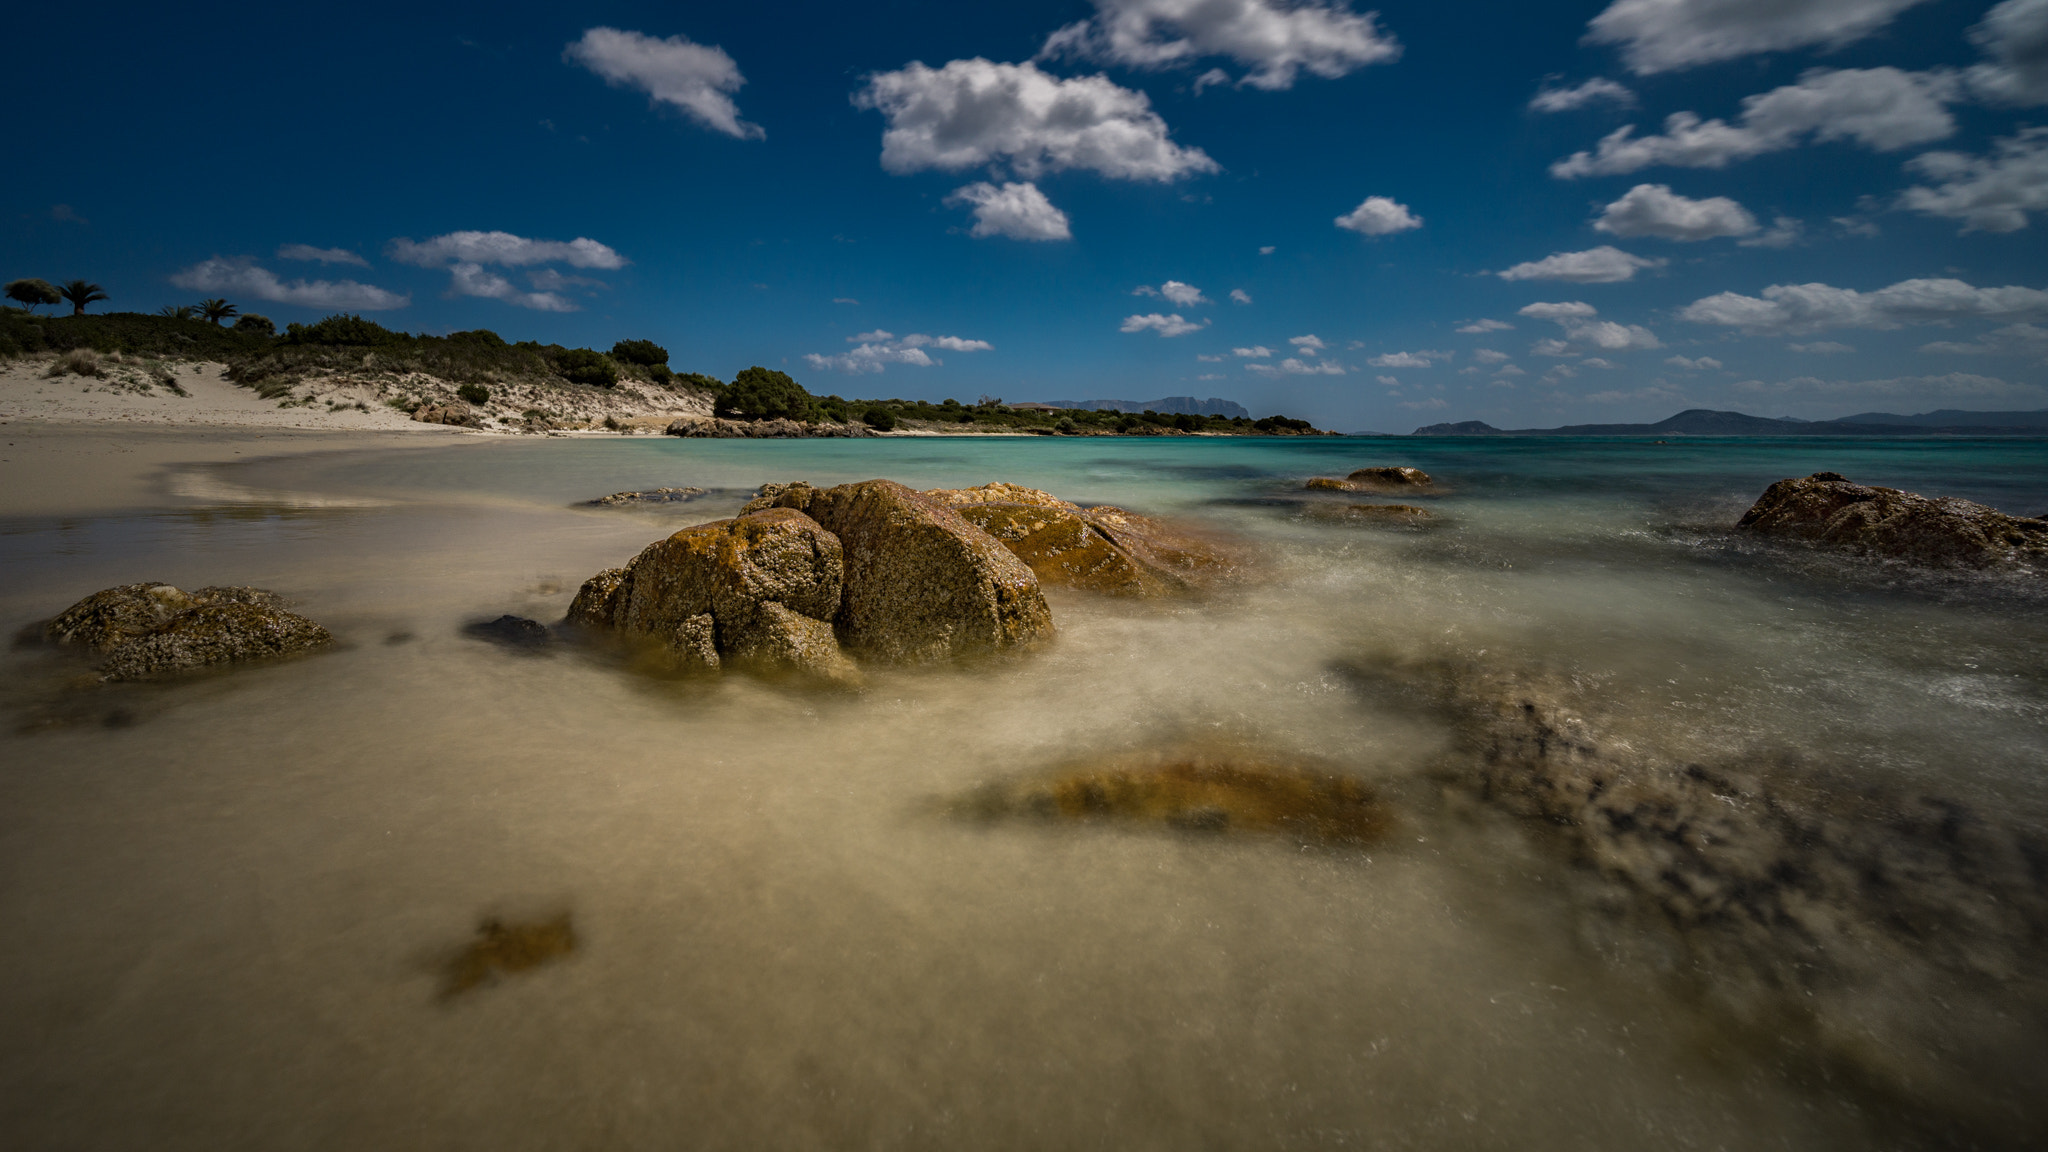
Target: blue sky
x=1426 y=211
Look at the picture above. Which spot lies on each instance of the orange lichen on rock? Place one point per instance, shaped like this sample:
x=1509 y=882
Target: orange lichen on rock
x=1100 y=549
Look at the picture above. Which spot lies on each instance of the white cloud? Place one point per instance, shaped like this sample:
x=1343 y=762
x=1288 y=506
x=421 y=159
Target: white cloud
x=1785 y=232
x=1934 y=389
x=1185 y=295
x=1664 y=35
x=1821 y=347
x=1489 y=356
x=1275 y=39
x=1987 y=193
x=1266 y=250
x=1478 y=326
x=697 y=79
x=1571 y=99
x=1389 y=381
x=1883 y=109
x=470 y=279
x=1240 y=296
x=1379 y=216
x=1509 y=370
x=1309 y=343
x=323 y=255
x=1296 y=367
x=1655 y=210
x=2015 y=35
x=1597 y=362
x=877 y=349
x=549 y=280
x=1256 y=351
x=1173 y=325
x=1582 y=330
x=844 y=300
x=1207 y=358
x=1603 y=265
x=2011 y=340
x=975 y=112
x=245 y=278
x=1421 y=359
x=1796 y=308
x=1018 y=211
x=1703 y=364
x=503 y=248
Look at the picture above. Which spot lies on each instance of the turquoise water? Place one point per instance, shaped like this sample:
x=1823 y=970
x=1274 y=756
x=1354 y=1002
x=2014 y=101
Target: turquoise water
x=225 y=896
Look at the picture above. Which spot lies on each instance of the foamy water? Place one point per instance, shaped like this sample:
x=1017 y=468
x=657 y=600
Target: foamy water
x=227 y=898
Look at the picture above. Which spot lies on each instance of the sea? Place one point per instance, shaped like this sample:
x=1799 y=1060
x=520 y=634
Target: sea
x=231 y=901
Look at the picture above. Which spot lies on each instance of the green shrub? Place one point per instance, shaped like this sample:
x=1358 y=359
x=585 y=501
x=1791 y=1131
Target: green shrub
x=582 y=366
x=1066 y=424
x=660 y=374
x=474 y=394
x=765 y=394
x=711 y=384
x=256 y=325
x=880 y=419
x=645 y=352
x=343 y=329
x=478 y=337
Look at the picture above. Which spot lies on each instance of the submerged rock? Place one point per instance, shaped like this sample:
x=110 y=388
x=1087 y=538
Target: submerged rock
x=922 y=583
x=148 y=629
x=762 y=588
x=1826 y=508
x=1200 y=789
x=506 y=948
x=1391 y=479
x=1077 y=547
x=1376 y=515
x=650 y=496
x=511 y=631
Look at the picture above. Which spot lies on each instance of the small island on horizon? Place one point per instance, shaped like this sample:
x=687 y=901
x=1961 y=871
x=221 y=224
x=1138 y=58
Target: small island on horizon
x=1707 y=422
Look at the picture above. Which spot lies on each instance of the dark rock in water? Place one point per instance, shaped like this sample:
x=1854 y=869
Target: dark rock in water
x=217 y=633
x=650 y=496
x=1199 y=788
x=505 y=948
x=761 y=589
x=1943 y=531
x=1102 y=549
x=146 y=630
x=1391 y=479
x=511 y=631
x=922 y=583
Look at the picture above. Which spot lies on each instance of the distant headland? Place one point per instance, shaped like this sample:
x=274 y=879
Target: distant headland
x=1706 y=422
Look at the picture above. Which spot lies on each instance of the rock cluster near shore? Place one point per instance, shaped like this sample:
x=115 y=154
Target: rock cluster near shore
x=1828 y=509
x=1100 y=549
x=777 y=429
x=1392 y=479
x=149 y=630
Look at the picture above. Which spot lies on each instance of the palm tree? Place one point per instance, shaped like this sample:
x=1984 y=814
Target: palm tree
x=177 y=311
x=217 y=310
x=81 y=293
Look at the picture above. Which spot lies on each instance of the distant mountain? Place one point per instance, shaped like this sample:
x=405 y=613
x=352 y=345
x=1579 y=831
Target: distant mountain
x=1705 y=422
x=1953 y=418
x=1171 y=405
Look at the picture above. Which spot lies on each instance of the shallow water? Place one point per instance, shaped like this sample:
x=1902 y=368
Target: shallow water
x=228 y=899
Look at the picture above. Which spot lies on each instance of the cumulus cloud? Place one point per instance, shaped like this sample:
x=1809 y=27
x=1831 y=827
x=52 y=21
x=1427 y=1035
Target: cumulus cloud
x=1799 y=308
x=1255 y=352
x=1785 y=232
x=2015 y=35
x=1018 y=211
x=1821 y=347
x=1702 y=364
x=2011 y=340
x=1665 y=35
x=975 y=112
x=1421 y=359
x=1266 y=250
x=696 y=79
x=1240 y=296
x=1173 y=325
x=1883 y=109
x=1603 y=265
x=874 y=351
x=471 y=279
x=1309 y=343
x=1990 y=193
x=1293 y=366
x=1583 y=330
x=1274 y=39
x=1655 y=210
x=1185 y=295
x=1593 y=91
x=248 y=279
x=1478 y=326
x=323 y=255
x=1379 y=216
x=503 y=248
x=1489 y=356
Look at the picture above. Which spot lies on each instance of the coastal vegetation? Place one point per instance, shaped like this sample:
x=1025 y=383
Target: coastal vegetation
x=345 y=345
